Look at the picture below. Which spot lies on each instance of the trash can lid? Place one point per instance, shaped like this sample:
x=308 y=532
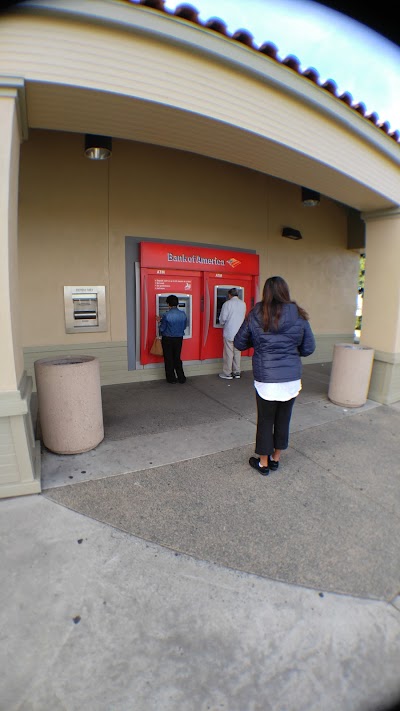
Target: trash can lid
x=354 y=346
x=65 y=360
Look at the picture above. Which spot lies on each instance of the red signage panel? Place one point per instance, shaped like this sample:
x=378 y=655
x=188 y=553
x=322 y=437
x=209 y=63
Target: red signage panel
x=201 y=278
x=206 y=259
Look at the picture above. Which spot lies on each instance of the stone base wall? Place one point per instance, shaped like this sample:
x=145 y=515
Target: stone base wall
x=113 y=358
x=19 y=452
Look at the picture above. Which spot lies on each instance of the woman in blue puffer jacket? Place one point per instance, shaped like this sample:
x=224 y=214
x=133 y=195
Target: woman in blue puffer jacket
x=279 y=331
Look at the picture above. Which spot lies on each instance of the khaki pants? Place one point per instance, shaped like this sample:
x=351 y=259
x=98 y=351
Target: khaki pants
x=231 y=358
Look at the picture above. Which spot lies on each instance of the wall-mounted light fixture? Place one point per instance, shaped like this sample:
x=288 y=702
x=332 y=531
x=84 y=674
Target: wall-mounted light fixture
x=310 y=198
x=291 y=233
x=97 y=147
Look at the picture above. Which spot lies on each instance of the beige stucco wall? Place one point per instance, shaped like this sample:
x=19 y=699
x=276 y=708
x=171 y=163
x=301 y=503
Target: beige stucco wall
x=381 y=314
x=63 y=232
x=75 y=214
x=381 y=326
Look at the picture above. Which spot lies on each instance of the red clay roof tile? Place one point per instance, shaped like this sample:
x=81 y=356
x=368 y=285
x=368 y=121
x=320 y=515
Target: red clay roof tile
x=188 y=12
x=244 y=37
x=270 y=49
x=292 y=62
x=214 y=23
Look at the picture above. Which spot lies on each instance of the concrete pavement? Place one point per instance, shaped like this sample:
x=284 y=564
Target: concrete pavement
x=160 y=572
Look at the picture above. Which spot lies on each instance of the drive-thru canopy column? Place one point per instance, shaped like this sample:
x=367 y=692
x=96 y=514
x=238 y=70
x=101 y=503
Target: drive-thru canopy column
x=381 y=309
x=19 y=459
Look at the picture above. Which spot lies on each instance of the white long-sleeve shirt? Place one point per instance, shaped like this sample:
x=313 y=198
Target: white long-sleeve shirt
x=232 y=316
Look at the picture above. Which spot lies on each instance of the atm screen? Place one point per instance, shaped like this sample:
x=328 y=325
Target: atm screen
x=220 y=296
x=184 y=304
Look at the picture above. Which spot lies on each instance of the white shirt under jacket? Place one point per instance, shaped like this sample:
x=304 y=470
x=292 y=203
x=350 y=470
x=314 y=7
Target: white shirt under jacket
x=232 y=316
x=281 y=392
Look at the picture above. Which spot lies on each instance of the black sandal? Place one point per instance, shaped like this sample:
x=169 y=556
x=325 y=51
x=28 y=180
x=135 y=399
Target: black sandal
x=272 y=464
x=255 y=463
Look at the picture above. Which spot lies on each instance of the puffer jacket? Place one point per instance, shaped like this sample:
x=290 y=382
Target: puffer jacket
x=276 y=357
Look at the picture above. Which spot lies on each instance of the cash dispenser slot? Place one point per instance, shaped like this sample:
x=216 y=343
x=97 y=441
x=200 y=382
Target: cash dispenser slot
x=85 y=309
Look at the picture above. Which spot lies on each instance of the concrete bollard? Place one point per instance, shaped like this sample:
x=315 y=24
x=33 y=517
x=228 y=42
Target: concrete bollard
x=350 y=375
x=69 y=403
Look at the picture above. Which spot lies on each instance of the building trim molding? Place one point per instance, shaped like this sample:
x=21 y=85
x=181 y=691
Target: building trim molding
x=392 y=358
x=14 y=88
x=391 y=213
x=385 y=382
x=20 y=465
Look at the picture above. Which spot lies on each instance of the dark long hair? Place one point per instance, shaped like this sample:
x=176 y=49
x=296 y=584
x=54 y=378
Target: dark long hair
x=275 y=295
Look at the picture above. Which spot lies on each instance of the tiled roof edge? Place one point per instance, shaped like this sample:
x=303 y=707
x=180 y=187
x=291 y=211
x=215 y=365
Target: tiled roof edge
x=191 y=14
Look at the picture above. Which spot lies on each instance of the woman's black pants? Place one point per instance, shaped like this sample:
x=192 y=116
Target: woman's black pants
x=273 y=421
x=172 y=347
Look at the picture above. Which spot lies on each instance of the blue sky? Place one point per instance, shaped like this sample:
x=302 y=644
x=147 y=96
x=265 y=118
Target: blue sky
x=358 y=59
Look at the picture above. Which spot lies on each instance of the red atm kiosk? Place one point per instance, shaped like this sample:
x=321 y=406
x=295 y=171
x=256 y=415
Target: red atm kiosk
x=200 y=277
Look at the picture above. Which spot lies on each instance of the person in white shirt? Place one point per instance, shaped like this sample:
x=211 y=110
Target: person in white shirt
x=231 y=318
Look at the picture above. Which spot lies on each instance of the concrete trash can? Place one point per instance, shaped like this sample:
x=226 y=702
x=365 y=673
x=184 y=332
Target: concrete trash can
x=350 y=375
x=69 y=403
